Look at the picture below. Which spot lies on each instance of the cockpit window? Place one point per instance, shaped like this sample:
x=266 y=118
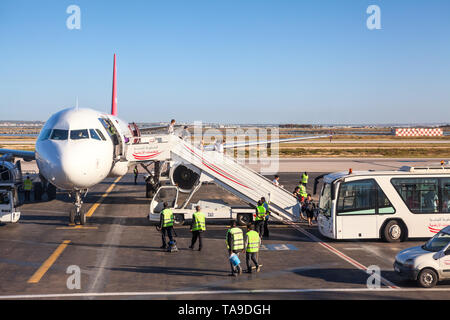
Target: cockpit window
x=94 y=134
x=59 y=134
x=100 y=134
x=45 y=134
x=79 y=134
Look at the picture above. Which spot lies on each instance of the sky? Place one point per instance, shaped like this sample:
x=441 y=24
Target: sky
x=229 y=61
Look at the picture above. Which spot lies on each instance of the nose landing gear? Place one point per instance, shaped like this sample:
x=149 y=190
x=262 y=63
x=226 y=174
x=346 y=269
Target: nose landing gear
x=77 y=212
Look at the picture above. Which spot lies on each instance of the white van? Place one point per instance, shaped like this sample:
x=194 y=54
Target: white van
x=426 y=264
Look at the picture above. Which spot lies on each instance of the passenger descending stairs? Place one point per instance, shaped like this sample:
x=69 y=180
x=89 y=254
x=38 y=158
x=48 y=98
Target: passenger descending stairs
x=240 y=180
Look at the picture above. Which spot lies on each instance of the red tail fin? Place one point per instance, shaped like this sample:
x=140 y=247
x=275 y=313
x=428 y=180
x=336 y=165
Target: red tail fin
x=114 y=91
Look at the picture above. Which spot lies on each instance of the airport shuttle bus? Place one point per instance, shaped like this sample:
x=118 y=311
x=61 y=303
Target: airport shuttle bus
x=389 y=205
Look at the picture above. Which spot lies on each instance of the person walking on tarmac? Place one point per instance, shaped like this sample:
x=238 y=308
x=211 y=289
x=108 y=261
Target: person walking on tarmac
x=235 y=244
x=259 y=218
x=27 y=186
x=198 y=226
x=252 y=243
x=166 y=225
x=266 y=218
x=136 y=172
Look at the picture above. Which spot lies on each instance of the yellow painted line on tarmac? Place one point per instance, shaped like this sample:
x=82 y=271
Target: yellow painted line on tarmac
x=77 y=227
x=99 y=202
x=36 y=277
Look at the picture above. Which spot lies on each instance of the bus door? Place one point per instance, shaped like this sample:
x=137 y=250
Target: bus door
x=356 y=210
x=6 y=202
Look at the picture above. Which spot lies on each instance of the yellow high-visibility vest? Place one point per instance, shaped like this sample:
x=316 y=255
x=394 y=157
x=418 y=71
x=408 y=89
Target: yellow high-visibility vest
x=27 y=185
x=238 y=239
x=199 y=221
x=261 y=213
x=253 y=241
x=168 y=218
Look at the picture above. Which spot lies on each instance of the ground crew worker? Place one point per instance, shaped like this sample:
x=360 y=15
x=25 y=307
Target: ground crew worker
x=266 y=218
x=235 y=244
x=166 y=224
x=136 y=172
x=259 y=218
x=305 y=178
x=27 y=186
x=252 y=243
x=302 y=191
x=198 y=226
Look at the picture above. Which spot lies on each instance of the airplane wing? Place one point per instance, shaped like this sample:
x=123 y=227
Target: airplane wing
x=25 y=155
x=255 y=143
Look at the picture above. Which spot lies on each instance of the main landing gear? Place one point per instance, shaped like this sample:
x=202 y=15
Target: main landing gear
x=77 y=213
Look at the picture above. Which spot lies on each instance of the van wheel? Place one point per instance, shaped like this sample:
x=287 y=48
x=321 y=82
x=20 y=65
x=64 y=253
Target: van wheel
x=178 y=219
x=427 y=278
x=244 y=219
x=393 y=231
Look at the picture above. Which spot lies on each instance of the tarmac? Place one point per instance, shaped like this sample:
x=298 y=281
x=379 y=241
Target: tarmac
x=118 y=253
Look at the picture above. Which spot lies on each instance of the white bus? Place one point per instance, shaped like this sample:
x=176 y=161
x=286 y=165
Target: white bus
x=389 y=205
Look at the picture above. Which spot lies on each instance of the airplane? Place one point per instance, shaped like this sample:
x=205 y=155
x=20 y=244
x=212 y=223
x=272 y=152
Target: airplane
x=78 y=148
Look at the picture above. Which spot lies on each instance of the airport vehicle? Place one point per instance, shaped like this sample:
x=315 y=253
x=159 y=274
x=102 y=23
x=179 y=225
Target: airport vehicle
x=391 y=205
x=78 y=148
x=184 y=211
x=8 y=213
x=426 y=264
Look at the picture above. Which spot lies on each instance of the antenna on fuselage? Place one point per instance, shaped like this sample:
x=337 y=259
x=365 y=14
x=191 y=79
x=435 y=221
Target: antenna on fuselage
x=76 y=103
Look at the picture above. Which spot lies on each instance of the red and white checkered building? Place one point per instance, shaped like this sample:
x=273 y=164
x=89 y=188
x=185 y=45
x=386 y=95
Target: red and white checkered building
x=419 y=132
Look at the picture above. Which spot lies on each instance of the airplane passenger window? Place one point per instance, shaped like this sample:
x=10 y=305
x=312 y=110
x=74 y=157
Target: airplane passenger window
x=59 y=134
x=79 y=134
x=94 y=134
x=100 y=134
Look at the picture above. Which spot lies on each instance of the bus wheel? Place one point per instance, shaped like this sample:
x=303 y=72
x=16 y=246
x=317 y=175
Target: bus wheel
x=393 y=231
x=427 y=278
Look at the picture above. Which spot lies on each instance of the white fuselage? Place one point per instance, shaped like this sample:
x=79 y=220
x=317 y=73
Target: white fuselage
x=75 y=150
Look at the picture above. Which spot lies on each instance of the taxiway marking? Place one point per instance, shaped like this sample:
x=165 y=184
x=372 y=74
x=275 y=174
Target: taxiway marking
x=36 y=277
x=99 y=202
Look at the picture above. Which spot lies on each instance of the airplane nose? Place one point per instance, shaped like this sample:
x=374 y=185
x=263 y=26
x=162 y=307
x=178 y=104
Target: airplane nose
x=68 y=167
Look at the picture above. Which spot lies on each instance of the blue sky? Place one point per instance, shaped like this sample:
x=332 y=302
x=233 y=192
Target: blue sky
x=232 y=61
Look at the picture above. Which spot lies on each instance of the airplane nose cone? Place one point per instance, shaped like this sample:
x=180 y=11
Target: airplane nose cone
x=68 y=167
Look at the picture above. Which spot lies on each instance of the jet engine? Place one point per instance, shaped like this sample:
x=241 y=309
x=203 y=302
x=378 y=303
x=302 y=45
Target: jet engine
x=184 y=177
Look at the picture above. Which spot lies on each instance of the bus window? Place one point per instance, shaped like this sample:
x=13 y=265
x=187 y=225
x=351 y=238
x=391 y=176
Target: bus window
x=384 y=205
x=79 y=134
x=357 y=197
x=421 y=195
x=445 y=186
x=58 y=134
x=325 y=200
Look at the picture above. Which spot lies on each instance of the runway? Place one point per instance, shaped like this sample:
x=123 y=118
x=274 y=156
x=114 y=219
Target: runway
x=119 y=256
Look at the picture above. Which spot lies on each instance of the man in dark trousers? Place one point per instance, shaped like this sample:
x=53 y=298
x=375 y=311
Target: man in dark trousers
x=266 y=219
x=260 y=216
x=136 y=172
x=235 y=244
x=252 y=243
x=166 y=224
x=198 y=226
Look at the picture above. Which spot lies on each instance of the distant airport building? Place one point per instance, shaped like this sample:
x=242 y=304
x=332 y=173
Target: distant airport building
x=418 y=132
